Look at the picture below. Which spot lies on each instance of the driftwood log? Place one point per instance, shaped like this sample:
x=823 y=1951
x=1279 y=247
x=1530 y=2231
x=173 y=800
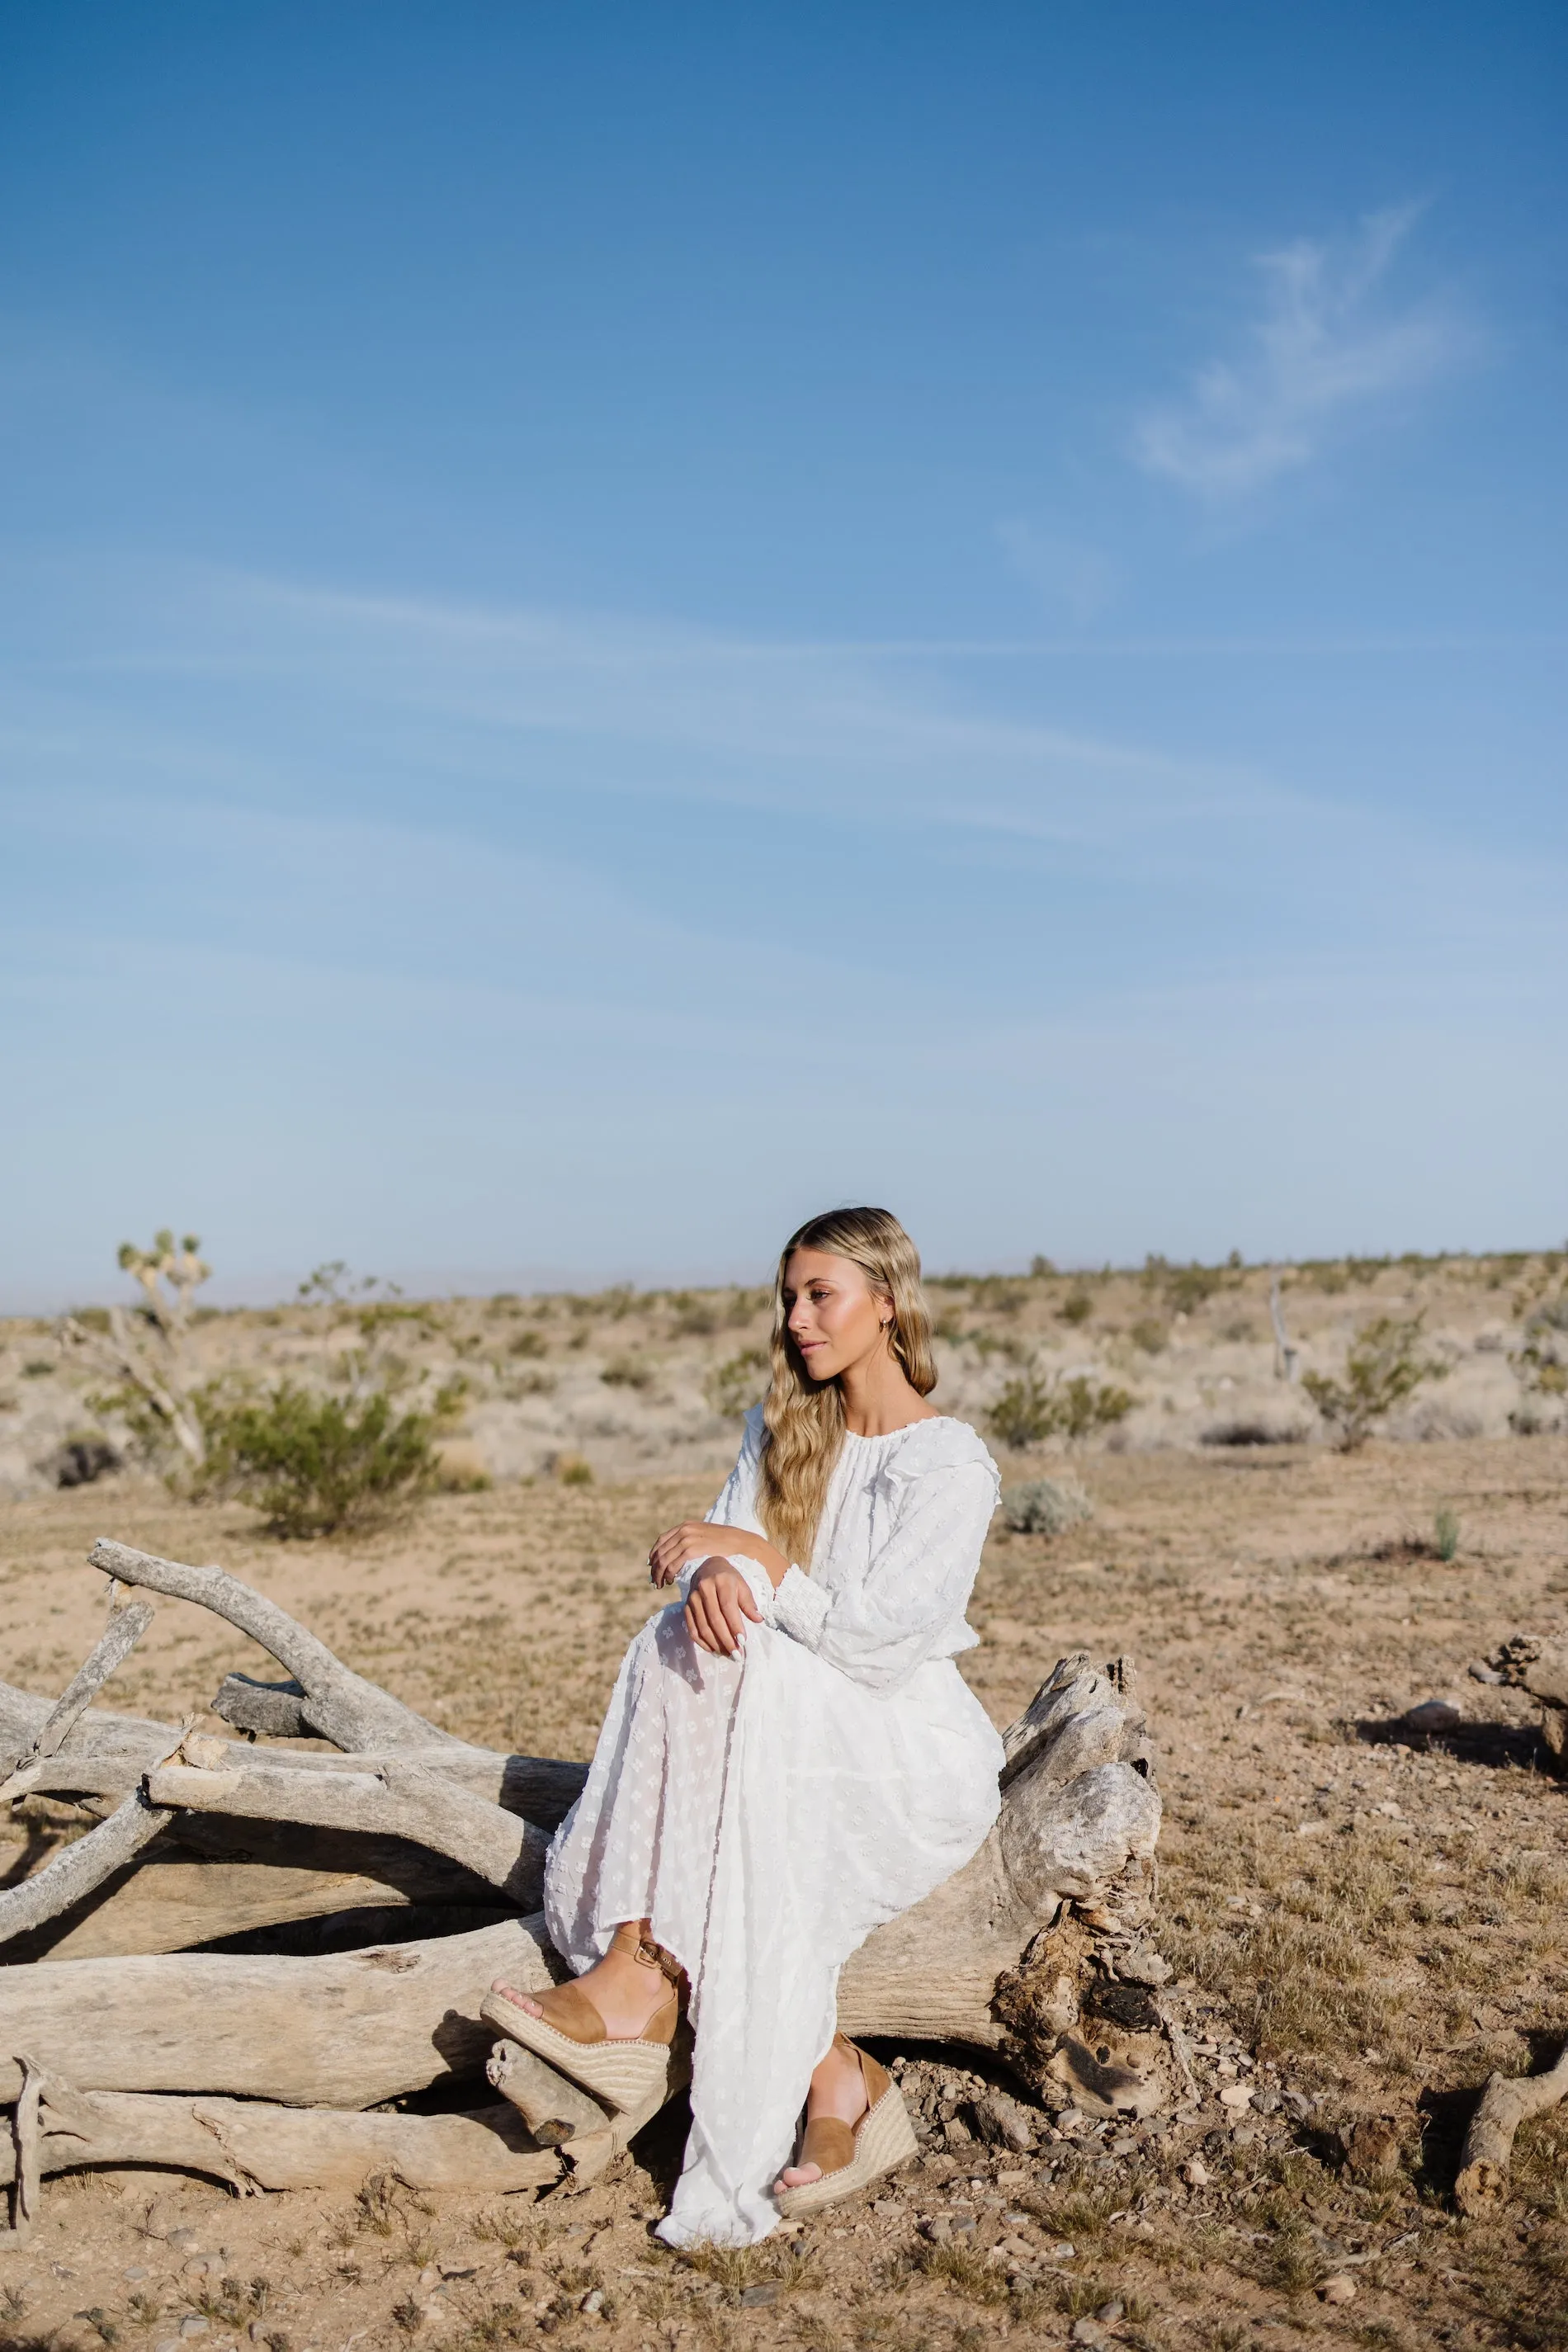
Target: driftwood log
x=148 y=2043
x=251 y=2146
x=1507 y=2101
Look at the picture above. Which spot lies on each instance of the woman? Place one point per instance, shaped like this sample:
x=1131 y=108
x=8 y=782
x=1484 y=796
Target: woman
x=790 y=1757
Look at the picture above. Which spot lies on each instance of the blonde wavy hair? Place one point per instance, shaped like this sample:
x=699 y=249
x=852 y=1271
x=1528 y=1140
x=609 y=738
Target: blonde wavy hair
x=805 y=1418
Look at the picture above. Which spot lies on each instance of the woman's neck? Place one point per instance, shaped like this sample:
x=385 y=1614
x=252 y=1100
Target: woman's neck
x=879 y=1399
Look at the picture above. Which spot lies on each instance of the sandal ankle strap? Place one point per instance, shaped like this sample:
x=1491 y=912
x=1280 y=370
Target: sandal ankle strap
x=629 y=1938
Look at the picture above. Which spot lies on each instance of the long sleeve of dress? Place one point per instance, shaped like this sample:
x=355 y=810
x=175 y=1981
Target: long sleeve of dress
x=917 y=1584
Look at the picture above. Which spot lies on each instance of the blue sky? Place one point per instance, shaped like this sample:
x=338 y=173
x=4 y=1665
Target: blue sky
x=619 y=623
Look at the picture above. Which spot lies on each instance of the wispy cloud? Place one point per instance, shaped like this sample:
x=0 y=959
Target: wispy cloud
x=1330 y=344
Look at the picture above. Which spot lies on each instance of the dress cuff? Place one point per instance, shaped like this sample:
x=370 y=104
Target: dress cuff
x=800 y=1608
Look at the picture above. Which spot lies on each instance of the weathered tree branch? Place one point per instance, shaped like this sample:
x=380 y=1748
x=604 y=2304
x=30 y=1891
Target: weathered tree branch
x=1507 y=2101
x=402 y=1799
x=251 y=2145
x=113 y=1646
x=81 y=1867
x=27 y=2151
x=349 y=2030
x=340 y=1704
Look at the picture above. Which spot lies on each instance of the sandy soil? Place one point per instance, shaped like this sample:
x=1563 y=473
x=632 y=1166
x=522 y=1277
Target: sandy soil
x=1364 y=1925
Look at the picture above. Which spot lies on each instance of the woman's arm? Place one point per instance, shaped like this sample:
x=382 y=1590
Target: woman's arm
x=879 y=1631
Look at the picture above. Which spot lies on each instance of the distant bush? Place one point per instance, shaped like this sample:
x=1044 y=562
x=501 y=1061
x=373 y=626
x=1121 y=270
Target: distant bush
x=1445 y=1532
x=318 y=1463
x=573 y=1471
x=529 y=1343
x=1149 y=1335
x=1381 y=1370
x=734 y=1386
x=1045 y=1506
x=1076 y=1308
x=628 y=1372
x=1542 y=1361
x=1029 y=1410
x=1185 y=1289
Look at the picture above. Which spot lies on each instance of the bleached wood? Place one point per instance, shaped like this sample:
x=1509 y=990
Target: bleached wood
x=27 y=2153
x=106 y=1754
x=113 y=1646
x=403 y=1800
x=81 y=1867
x=1507 y=2101
x=346 y=2029
x=339 y=1704
x=208 y=1877
x=251 y=2145
x=103 y=1755
x=357 y=2028
x=555 y=2109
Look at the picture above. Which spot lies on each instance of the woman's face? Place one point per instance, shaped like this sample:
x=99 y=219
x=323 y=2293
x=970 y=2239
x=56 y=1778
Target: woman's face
x=835 y=1318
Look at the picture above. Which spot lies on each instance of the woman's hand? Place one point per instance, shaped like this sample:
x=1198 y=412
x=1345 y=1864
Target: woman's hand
x=699 y=1539
x=718 y=1604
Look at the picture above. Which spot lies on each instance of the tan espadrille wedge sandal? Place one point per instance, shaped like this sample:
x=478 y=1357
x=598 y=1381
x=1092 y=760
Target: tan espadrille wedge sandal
x=853 y=2155
x=571 y=2034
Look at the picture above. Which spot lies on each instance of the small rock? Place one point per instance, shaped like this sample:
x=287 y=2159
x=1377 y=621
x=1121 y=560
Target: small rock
x=1433 y=1714
x=1125 y=2143
x=593 y=2301
x=1195 y=2172
x=1235 y=2096
x=1143 y=1966
x=194 y=2327
x=755 y=2296
x=1372 y=2148
x=939 y=2230
x=1088 y=2331
x=257 y=2331
x=429 y=2277
x=1340 y=2288
x=1109 y=2313
x=1479 y=1672
x=137 y=2270
x=167 y=2344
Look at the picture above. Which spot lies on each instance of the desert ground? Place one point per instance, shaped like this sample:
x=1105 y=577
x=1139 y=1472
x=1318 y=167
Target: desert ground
x=1363 y=1921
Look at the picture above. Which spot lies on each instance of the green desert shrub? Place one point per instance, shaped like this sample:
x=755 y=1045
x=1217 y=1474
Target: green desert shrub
x=736 y=1384
x=315 y=1463
x=1029 y=1409
x=1045 y=1506
x=1384 y=1366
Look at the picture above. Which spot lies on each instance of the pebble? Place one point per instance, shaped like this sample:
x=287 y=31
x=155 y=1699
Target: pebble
x=1195 y=2172
x=592 y=2302
x=1109 y=2313
x=184 y=2242
x=1340 y=2288
x=135 y=2272
x=1235 y=2096
x=755 y=2296
x=1433 y=1714
x=1088 y=2331
x=194 y=2327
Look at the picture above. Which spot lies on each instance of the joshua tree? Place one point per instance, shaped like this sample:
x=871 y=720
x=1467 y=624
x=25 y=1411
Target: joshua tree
x=144 y=1349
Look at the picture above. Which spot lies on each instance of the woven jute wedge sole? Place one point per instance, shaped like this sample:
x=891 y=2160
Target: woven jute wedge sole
x=622 y=2074
x=883 y=2140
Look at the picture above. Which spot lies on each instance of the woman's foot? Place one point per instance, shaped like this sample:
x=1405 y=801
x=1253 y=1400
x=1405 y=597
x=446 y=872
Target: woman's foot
x=626 y=1993
x=838 y=2090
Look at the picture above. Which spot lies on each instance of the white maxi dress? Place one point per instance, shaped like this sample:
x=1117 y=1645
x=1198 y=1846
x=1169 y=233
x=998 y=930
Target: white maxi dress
x=766 y=1812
